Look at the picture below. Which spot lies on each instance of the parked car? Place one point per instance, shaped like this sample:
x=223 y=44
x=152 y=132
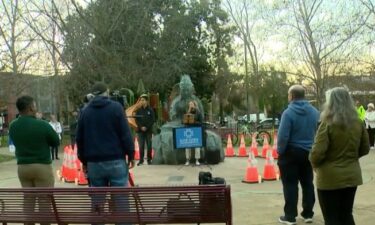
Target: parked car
x=252 y=119
x=268 y=123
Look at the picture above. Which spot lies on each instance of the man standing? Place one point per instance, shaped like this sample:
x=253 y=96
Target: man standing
x=104 y=140
x=56 y=125
x=145 y=119
x=296 y=134
x=33 y=138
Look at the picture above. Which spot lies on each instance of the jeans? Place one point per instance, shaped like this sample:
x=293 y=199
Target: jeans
x=337 y=205
x=295 y=168
x=145 y=139
x=113 y=173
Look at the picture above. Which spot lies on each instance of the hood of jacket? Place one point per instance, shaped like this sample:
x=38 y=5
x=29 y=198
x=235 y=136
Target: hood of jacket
x=99 y=102
x=300 y=107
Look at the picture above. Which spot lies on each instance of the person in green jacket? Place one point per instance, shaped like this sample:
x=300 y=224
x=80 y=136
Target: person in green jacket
x=33 y=139
x=340 y=141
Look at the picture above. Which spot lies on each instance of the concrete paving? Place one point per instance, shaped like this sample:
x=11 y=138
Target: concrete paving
x=257 y=204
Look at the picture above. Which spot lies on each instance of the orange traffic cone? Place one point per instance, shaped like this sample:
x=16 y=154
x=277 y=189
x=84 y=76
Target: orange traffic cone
x=136 y=149
x=275 y=155
x=269 y=171
x=254 y=146
x=80 y=178
x=266 y=147
x=229 y=152
x=68 y=171
x=252 y=176
x=242 y=150
x=131 y=179
x=63 y=170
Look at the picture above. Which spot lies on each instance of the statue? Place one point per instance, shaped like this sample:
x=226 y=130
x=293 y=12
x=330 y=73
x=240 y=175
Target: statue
x=163 y=142
x=179 y=104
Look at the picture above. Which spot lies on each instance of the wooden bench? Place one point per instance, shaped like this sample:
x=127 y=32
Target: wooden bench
x=136 y=205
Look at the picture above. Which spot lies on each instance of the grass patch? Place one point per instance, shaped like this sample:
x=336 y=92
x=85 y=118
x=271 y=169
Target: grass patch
x=4 y=158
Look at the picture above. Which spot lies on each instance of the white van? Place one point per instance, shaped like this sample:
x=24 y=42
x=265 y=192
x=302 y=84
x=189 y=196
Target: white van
x=253 y=117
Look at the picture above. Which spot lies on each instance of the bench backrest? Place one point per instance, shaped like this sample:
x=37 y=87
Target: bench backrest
x=170 y=204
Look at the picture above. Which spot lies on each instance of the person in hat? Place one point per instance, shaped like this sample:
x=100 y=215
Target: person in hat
x=104 y=140
x=370 y=123
x=145 y=118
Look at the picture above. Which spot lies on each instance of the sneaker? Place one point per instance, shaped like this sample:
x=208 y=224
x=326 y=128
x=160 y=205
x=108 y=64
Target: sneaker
x=197 y=163
x=139 y=163
x=187 y=163
x=149 y=162
x=283 y=220
x=307 y=219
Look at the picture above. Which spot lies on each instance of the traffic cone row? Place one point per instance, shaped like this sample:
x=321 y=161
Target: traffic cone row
x=71 y=169
x=270 y=171
x=242 y=151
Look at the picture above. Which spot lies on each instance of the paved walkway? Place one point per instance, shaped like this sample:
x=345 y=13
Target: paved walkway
x=253 y=204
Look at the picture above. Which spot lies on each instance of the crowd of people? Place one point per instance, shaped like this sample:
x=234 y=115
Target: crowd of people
x=327 y=143
x=330 y=145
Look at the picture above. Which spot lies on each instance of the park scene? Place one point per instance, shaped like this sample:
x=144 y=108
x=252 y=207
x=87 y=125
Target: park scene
x=187 y=112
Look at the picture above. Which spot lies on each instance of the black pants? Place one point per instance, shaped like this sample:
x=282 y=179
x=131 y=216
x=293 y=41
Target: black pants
x=337 y=205
x=54 y=152
x=371 y=135
x=295 y=168
x=72 y=140
x=145 y=139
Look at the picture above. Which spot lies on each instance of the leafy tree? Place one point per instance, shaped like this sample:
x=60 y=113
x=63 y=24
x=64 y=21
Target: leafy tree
x=274 y=91
x=157 y=41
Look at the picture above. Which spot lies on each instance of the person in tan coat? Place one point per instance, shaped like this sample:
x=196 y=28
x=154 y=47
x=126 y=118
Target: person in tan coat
x=340 y=141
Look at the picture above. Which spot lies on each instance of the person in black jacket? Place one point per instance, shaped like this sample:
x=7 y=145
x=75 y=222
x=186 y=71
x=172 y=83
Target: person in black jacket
x=145 y=118
x=104 y=140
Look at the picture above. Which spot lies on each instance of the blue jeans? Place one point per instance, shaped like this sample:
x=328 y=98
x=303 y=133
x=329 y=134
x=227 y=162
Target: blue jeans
x=113 y=173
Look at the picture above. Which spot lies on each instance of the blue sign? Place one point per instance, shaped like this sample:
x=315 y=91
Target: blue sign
x=188 y=137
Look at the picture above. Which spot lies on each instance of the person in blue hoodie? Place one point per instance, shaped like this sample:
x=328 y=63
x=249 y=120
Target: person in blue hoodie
x=298 y=125
x=104 y=141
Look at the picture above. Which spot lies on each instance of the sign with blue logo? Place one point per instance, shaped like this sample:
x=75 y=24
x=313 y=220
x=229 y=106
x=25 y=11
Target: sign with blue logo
x=188 y=137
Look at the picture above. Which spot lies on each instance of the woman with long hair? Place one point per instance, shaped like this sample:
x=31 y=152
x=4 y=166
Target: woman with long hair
x=340 y=141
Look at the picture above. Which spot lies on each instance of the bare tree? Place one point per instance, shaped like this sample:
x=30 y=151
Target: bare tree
x=369 y=38
x=325 y=37
x=18 y=42
x=46 y=19
x=246 y=17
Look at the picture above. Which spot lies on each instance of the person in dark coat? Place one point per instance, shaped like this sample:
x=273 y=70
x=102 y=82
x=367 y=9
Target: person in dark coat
x=145 y=118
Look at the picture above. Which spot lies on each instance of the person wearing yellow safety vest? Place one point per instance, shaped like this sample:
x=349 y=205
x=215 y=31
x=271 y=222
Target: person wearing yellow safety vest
x=360 y=110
